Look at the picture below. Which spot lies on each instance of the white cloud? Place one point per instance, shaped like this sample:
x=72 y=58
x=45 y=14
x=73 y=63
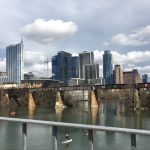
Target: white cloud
x=137 y=38
x=31 y=57
x=49 y=31
x=37 y=68
x=34 y=62
x=131 y=57
x=75 y=54
x=98 y=56
x=3 y=64
x=145 y=69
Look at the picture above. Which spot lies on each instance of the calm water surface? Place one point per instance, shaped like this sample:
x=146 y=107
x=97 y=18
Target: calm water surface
x=39 y=137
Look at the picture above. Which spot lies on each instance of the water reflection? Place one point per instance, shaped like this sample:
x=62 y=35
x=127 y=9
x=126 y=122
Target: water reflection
x=94 y=114
x=108 y=114
x=59 y=113
x=138 y=120
x=4 y=112
x=67 y=147
x=31 y=111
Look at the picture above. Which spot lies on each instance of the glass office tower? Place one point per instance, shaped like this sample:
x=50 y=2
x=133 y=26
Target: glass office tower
x=107 y=67
x=75 y=67
x=14 y=63
x=91 y=71
x=62 y=66
x=55 y=67
x=84 y=59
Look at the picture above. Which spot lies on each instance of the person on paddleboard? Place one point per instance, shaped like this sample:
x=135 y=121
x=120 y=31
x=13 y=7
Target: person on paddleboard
x=67 y=140
x=67 y=136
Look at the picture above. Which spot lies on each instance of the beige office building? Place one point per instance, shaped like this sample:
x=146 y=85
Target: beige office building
x=118 y=75
x=131 y=77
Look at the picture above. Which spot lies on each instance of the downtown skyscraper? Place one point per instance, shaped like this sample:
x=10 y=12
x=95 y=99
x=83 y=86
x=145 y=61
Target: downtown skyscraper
x=91 y=71
x=118 y=75
x=62 y=66
x=75 y=67
x=84 y=59
x=107 y=67
x=14 y=63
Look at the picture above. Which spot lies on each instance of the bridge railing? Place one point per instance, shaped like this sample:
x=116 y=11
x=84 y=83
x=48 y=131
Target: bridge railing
x=90 y=128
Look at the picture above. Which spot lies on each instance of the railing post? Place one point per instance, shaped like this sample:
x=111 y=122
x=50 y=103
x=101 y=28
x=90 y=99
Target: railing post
x=133 y=141
x=24 y=136
x=54 y=128
x=90 y=138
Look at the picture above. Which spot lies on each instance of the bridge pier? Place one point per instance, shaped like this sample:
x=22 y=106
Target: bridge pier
x=93 y=99
x=13 y=103
x=7 y=97
x=4 y=99
x=31 y=102
x=59 y=102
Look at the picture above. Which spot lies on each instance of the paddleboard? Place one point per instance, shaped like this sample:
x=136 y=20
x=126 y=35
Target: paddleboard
x=66 y=141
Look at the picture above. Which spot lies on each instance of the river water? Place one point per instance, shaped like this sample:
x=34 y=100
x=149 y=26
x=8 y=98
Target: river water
x=39 y=136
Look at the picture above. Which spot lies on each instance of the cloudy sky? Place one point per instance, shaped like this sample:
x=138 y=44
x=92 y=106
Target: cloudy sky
x=49 y=26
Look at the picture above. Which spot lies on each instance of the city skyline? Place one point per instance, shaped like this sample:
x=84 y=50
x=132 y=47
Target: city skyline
x=99 y=60
x=76 y=26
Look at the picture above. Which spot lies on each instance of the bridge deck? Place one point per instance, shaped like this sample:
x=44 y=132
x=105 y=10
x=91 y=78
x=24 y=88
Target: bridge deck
x=85 y=87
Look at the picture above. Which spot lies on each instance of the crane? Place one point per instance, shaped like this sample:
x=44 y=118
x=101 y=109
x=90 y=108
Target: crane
x=47 y=67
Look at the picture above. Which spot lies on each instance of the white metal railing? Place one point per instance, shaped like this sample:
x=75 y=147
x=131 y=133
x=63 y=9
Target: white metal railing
x=90 y=129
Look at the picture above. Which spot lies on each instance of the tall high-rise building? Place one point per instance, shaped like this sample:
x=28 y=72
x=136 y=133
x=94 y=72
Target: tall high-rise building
x=118 y=75
x=55 y=67
x=14 y=63
x=62 y=67
x=85 y=58
x=145 y=78
x=107 y=67
x=75 y=67
x=91 y=71
x=130 y=77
